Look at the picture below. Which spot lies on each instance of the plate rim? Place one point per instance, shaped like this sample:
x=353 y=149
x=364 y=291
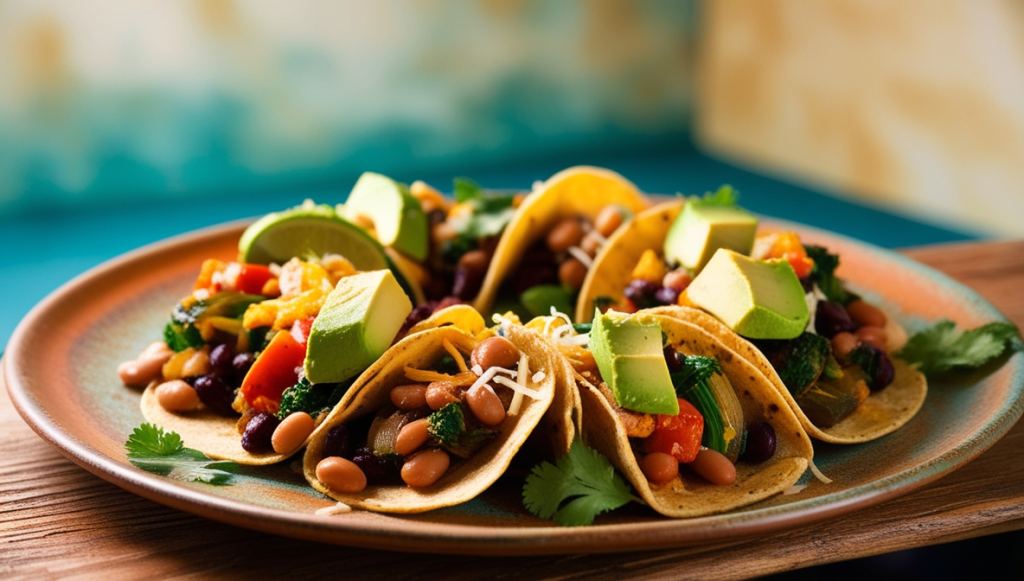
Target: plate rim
x=449 y=538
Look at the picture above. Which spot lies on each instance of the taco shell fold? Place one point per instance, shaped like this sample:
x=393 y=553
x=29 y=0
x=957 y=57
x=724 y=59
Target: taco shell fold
x=464 y=479
x=690 y=495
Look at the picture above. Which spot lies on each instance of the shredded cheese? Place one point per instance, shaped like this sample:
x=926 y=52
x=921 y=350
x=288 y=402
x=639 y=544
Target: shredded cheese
x=795 y=489
x=425 y=375
x=459 y=359
x=538 y=377
x=580 y=255
x=818 y=474
x=517 y=398
x=339 y=508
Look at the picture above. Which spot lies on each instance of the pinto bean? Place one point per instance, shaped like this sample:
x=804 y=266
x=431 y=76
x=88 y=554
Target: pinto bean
x=659 y=467
x=411 y=437
x=485 y=405
x=865 y=314
x=566 y=233
x=147 y=366
x=340 y=475
x=292 y=432
x=425 y=468
x=495 y=351
x=177 y=396
x=572 y=273
x=439 y=394
x=843 y=343
x=590 y=244
x=608 y=220
x=873 y=336
x=714 y=467
x=409 y=397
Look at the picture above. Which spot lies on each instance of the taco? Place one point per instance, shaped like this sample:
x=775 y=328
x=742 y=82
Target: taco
x=248 y=378
x=856 y=395
x=546 y=250
x=876 y=414
x=435 y=421
x=733 y=441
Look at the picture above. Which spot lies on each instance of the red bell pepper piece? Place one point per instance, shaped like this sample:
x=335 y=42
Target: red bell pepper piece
x=678 y=435
x=251 y=278
x=275 y=370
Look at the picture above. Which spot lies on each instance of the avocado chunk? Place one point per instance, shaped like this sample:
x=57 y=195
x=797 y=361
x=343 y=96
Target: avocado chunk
x=704 y=226
x=628 y=351
x=357 y=323
x=396 y=214
x=759 y=299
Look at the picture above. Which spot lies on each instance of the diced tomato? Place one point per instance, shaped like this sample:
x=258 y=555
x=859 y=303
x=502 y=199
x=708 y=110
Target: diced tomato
x=251 y=278
x=301 y=328
x=801 y=263
x=677 y=435
x=275 y=370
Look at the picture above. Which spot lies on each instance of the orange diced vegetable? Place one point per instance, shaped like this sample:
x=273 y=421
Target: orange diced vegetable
x=650 y=268
x=677 y=435
x=275 y=370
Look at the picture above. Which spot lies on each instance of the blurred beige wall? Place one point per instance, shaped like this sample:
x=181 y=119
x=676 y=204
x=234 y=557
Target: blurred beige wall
x=916 y=105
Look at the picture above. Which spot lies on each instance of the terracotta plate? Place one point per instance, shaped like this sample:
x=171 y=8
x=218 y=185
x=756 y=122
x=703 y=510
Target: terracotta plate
x=60 y=368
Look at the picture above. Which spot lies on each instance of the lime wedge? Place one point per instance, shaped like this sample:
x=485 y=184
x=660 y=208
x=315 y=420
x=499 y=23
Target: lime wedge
x=309 y=230
x=314 y=230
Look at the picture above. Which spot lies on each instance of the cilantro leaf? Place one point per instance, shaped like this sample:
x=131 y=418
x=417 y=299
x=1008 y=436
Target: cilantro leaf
x=466 y=190
x=823 y=274
x=578 y=487
x=724 y=196
x=154 y=450
x=943 y=347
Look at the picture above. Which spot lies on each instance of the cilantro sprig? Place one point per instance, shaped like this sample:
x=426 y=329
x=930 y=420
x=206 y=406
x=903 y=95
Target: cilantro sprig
x=942 y=347
x=154 y=450
x=579 y=486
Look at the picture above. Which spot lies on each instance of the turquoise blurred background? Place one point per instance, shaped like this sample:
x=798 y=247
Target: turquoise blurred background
x=125 y=122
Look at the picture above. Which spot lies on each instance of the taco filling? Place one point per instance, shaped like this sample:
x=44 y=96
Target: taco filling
x=442 y=413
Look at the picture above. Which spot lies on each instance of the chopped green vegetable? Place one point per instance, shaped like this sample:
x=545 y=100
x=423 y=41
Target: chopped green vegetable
x=823 y=274
x=491 y=212
x=800 y=361
x=447 y=424
x=691 y=384
x=180 y=333
x=154 y=450
x=579 y=486
x=180 y=337
x=539 y=299
x=943 y=347
x=311 y=398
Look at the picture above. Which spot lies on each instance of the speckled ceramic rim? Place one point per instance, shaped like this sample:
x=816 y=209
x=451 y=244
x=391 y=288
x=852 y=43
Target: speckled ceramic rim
x=463 y=539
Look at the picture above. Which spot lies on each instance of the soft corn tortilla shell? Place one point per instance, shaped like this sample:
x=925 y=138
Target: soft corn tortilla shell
x=212 y=434
x=883 y=412
x=464 y=479
x=689 y=495
x=562 y=421
x=613 y=266
x=577 y=191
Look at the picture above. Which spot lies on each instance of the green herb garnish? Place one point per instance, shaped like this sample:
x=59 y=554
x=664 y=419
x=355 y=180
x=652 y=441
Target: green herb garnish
x=823 y=274
x=154 y=450
x=579 y=486
x=943 y=347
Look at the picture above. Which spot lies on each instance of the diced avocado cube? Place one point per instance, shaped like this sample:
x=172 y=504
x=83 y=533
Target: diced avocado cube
x=759 y=299
x=356 y=325
x=629 y=353
x=701 y=229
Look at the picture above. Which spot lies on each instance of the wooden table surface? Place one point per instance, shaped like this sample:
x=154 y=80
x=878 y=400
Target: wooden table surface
x=57 y=520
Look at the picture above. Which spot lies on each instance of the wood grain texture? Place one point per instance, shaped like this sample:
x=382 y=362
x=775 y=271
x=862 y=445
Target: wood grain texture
x=57 y=520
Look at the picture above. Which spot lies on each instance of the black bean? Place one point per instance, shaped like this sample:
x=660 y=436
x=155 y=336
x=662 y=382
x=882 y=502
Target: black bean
x=337 y=443
x=761 y=443
x=258 y=433
x=641 y=293
x=377 y=469
x=221 y=360
x=216 y=393
x=674 y=359
x=242 y=362
x=667 y=295
x=831 y=319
